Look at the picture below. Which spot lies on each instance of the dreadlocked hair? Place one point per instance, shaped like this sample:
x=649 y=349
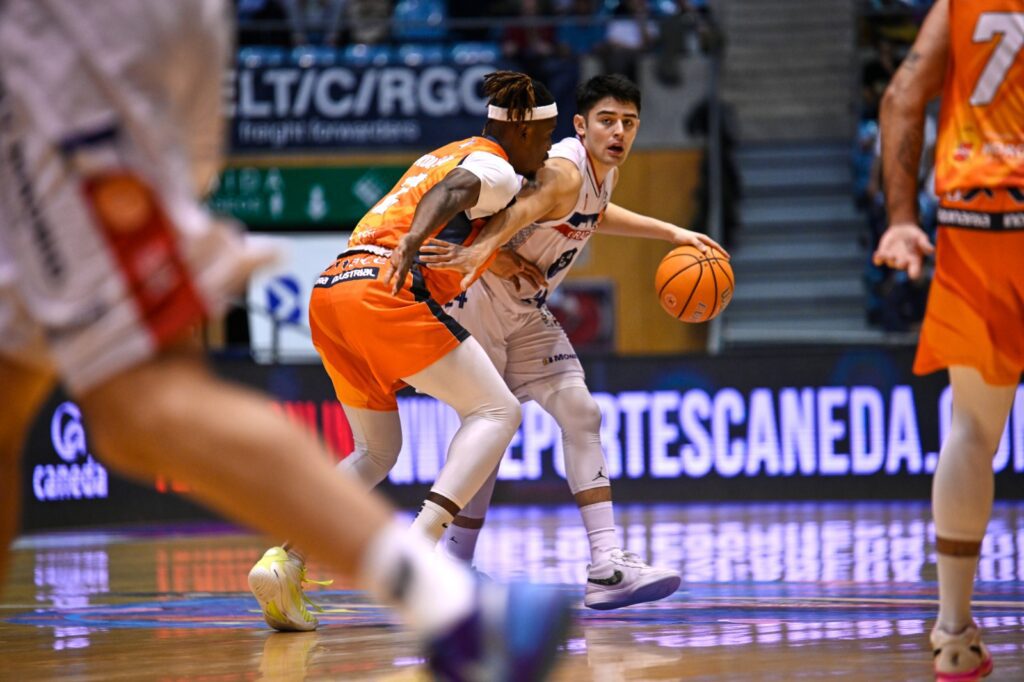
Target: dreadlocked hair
x=516 y=92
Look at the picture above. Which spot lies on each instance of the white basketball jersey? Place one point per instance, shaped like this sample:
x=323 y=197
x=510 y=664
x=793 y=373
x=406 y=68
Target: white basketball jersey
x=554 y=245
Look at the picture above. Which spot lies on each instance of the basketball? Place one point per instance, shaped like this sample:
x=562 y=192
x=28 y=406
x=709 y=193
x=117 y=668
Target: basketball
x=694 y=286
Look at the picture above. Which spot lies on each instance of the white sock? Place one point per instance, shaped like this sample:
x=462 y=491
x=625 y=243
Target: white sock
x=460 y=543
x=431 y=591
x=432 y=521
x=599 y=520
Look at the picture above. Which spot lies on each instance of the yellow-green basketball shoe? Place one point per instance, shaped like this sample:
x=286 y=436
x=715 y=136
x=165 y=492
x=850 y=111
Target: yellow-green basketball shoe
x=276 y=582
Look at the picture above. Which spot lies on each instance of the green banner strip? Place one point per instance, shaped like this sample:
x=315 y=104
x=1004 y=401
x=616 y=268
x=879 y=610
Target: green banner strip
x=285 y=197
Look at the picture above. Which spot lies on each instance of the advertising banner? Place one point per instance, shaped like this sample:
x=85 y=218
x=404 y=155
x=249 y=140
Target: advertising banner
x=779 y=425
x=396 y=106
x=278 y=297
x=65 y=484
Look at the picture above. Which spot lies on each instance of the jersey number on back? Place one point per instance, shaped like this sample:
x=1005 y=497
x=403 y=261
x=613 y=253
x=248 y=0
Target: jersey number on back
x=1009 y=27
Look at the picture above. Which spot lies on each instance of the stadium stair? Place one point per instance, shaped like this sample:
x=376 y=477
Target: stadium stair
x=789 y=77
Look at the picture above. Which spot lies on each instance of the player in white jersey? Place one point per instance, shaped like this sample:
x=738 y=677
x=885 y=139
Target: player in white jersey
x=505 y=310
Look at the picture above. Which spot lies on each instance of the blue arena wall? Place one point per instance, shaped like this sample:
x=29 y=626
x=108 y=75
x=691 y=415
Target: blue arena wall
x=793 y=424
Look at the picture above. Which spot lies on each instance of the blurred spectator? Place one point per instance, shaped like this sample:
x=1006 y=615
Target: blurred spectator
x=264 y=22
x=862 y=161
x=895 y=302
x=698 y=124
x=685 y=27
x=314 y=22
x=459 y=10
x=918 y=7
x=630 y=33
x=367 y=22
x=531 y=41
x=289 y=22
x=581 y=33
x=709 y=35
x=875 y=76
x=675 y=27
x=420 y=20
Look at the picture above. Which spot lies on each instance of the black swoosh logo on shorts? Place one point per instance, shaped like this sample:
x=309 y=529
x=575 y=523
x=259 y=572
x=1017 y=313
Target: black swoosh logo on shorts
x=615 y=579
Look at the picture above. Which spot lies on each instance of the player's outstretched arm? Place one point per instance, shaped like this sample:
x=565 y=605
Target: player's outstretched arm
x=918 y=80
x=553 y=193
x=625 y=223
x=458 y=191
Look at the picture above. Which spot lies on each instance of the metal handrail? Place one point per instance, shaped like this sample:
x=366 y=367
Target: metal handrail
x=467 y=23
x=714 y=181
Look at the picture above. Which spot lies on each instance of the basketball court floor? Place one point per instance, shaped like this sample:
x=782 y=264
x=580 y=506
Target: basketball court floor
x=791 y=591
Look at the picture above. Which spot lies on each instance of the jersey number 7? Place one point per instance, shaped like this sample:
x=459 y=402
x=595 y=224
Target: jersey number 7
x=1010 y=27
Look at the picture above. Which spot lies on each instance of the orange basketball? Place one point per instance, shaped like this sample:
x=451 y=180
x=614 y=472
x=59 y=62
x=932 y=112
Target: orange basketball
x=694 y=286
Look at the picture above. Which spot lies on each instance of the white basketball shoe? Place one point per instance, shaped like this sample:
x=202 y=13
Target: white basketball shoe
x=961 y=657
x=623 y=579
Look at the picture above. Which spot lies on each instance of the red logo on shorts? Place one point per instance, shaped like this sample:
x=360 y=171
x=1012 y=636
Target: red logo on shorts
x=963 y=151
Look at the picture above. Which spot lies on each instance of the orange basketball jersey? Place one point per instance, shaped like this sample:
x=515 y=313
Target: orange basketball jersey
x=386 y=223
x=981 y=126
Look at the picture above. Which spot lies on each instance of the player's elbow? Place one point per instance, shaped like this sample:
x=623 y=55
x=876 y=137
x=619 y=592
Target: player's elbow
x=900 y=100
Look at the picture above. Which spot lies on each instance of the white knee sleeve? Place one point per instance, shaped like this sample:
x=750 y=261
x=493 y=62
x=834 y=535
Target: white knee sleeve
x=579 y=417
x=467 y=380
x=378 y=440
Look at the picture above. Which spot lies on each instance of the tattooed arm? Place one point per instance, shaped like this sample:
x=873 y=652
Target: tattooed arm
x=918 y=80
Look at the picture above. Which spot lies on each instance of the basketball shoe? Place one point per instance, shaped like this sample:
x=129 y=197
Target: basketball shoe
x=961 y=657
x=276 y=582
x=512 y=635
x=623 y=579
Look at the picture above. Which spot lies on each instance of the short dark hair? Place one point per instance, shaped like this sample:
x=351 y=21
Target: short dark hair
x=597 y=88
x=516 y=92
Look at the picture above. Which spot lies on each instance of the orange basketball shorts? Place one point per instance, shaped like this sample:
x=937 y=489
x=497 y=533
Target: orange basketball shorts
x=975 y=314
x=368 y=338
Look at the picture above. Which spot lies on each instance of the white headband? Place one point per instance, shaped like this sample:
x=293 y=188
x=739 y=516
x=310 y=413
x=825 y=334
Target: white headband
x=534 y=114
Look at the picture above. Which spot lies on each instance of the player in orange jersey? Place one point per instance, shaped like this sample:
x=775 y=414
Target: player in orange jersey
x=970 y=52
x=378 y=323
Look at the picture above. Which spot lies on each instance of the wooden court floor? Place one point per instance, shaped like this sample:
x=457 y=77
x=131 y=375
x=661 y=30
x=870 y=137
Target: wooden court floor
x=806 y=591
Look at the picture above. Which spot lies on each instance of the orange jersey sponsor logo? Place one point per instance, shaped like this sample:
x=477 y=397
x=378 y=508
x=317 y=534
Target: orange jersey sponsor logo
x=981 y=127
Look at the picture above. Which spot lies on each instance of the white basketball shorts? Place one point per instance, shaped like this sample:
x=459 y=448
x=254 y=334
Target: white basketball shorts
x=110 y=128
x=526 y=343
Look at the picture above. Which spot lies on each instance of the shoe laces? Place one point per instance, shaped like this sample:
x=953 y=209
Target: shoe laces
x=303 y=579
x=625 y=558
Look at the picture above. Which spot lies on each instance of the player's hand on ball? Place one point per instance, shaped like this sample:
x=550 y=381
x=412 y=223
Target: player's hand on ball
x=703 y=242
x=511 y=266
x=903 y=247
